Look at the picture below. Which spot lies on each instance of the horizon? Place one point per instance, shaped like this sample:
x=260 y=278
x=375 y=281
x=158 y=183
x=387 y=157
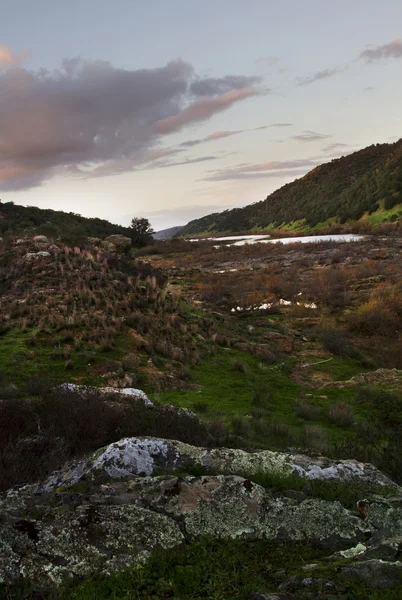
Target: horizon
x=110 y=117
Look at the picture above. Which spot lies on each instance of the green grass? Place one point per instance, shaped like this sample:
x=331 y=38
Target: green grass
x=383 y=216
x=20 y=360
x=227 y=391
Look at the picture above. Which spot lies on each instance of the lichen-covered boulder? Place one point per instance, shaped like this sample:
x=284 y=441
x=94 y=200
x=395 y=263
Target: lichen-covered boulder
x=97 y=528
x=34 y=256
x=40 y=239
x=122 y=459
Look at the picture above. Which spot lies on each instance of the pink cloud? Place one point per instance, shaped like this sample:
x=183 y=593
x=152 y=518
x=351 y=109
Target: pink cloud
x=202 y=109
x=8 y=58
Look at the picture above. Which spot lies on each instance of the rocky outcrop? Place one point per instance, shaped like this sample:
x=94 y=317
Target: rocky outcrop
x=34 y=256
x=110 y=510
x=141 y=455
x=390 y=379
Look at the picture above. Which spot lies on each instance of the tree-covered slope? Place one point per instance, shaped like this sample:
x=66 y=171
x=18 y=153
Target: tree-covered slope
x=20 y=220
x=345 y=188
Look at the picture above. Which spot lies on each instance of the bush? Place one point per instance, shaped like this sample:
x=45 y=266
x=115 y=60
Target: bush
x=338 y=342
x=315 y=438
x=341 y=414
x=39 y=435
x=306 y=411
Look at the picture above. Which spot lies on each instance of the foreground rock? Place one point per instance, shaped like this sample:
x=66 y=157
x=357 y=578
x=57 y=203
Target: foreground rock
x=133 y=456
x=97 y=516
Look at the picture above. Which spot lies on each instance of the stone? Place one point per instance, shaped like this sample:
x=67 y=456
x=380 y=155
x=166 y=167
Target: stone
x=121 y=459
x=109 y=510
x=34 y=256
x=283 y=343
x=40 y=239
x=377 y=573
x=121 y=242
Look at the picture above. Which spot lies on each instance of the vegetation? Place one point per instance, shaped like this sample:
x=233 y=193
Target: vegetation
x=71 y=228
x=186 y=327
x=209 y=569
x=362 y=184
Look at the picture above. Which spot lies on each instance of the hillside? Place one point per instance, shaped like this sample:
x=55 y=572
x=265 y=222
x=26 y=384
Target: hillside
x=163 y=234
x=70 y=227
x=344 y=189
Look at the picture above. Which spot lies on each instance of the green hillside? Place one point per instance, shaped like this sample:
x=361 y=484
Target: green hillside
x=70 y=227
x=344 y=189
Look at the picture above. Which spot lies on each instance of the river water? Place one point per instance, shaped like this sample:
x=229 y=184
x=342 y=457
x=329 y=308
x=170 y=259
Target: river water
x=241 y=240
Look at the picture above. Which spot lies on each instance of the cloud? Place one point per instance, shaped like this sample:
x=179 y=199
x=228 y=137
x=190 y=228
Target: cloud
x=8 y=58
x=215 y=86
x=335 y=146
x=202 y=110
x=90 y=119
x=318 y=76
x=267 y=61
x=391 y=50
x=270 y=169
x=272 y=125
x=218 y=135
x=310 y=136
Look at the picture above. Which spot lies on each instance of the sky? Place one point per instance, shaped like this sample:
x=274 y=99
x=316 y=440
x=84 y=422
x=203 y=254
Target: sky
x=173 y=109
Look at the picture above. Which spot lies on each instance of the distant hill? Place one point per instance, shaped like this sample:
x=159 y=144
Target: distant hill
x=163 y=234
x=344 y=189
x=71 y=227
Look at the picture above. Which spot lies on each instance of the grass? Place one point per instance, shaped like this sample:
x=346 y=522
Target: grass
x=225 y=390
x=382 y=215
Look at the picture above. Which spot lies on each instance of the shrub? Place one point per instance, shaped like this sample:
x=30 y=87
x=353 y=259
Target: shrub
x=373 y=318
x=341 y=414
x=200 y=406
x=306 y=411
x=338 y=342
x=240 y=366
x=315 y=438
x=39 y=435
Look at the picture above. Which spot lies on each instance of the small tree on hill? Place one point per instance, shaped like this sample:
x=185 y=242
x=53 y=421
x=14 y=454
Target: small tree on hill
x=141 y=232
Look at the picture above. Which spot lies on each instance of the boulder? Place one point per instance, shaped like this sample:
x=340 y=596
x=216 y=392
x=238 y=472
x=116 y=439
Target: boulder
x=109 y=510
x=40 y=239
x=34 y=256
x=98 y=527
x=131 y=456
x=121 y=242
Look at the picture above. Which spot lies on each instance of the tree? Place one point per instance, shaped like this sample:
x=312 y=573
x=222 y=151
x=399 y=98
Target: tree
x=141 y=232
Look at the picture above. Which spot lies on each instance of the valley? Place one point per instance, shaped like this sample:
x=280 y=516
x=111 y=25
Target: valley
x=287 y=348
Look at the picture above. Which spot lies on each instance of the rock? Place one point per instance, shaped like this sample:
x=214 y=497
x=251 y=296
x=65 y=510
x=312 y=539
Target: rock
x=121 y=242
x=133 y=393
x=34 y=256
x=376 y=573
x=40 y=239
x=385 y=378
x=131 y=456
x=97 y=516
x=279 y=596
x=94 y=241
x=102 y=527
x=284 y=343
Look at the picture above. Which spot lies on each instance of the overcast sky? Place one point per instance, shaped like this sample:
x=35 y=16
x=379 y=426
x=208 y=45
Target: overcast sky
x=172 y=109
